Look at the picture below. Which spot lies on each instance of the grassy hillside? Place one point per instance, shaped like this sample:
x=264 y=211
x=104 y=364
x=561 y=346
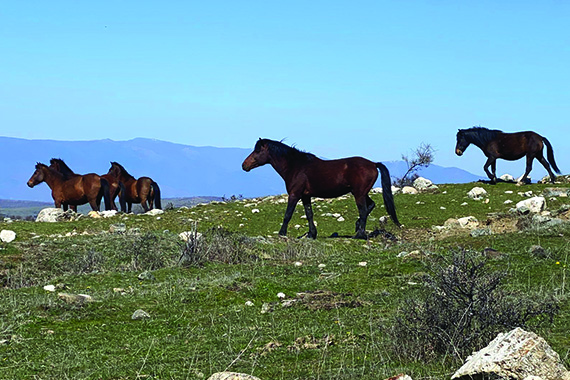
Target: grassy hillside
x=342 y=297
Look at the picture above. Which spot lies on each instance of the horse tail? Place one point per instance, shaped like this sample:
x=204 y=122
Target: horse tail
x=106 y=193
x=122 y=196
x=156 y=191
x=387 y=192
x=550 y=155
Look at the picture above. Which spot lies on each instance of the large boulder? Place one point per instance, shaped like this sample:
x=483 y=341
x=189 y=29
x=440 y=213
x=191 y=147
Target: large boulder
x=409 y=190
x=515 y=355
x=52 y=215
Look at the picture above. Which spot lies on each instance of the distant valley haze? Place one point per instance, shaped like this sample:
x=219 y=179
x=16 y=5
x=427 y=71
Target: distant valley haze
x=180 y=170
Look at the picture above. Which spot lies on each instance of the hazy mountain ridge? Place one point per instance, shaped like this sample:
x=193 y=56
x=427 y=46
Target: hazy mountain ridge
x=181 y=170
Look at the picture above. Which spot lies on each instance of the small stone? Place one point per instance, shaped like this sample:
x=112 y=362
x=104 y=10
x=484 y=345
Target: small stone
x=280 y=295
x=78 y=299
x=140 y=314
x=231 y=376
x=49 y=288
x=118 y=228
x=146 y=275
x=154 y=212
x=248 y=303
x=362 y=263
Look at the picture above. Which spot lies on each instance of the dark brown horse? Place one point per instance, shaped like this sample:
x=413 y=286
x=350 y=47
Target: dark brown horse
x=143 y=190
x=115 y=186
x=308 y=176
x=508 y=146
x=74 y=191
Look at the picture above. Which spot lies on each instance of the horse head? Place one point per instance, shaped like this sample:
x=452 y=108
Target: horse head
x=462 y=143
x=259 y=157
x=38 y=176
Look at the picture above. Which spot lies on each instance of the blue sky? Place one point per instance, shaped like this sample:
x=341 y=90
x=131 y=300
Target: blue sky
x=337 y=78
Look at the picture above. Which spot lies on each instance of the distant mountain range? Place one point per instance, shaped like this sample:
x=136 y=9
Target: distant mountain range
x=180 y=170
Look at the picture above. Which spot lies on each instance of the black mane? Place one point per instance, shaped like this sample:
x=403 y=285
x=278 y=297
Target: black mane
x=479 y=136
x=123 y=170
x=279 y=149
x=63 y=168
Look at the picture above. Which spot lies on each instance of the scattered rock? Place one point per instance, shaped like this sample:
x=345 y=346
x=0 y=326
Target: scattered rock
x=190 y=235
x=154 y=211
x=409 y=190
x=481 y=232
x=94 y=215
x=146 y=276
x=538 y=251
x=532 y=205
x=7 y=236
x=468 y=222
x=477 y=193
x=423 y=184
x=77 y=299
x=52 y=215
x=376 y=190
x=118 y=228
x=49 y=288
x=517 y=354
x=401 y=376
x=231 y=376
x=140 y=314
x=108 y=213
x=395 y=190
x=507 y=178
x=556 y=192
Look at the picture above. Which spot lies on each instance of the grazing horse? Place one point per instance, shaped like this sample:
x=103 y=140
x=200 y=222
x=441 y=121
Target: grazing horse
x=115 y=186
x=74 y=191
x=508 y=146
x=140 y=190
x=308 y=176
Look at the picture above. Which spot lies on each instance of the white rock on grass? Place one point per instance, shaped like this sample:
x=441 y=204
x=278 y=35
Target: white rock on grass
x=532 y=205
x=188 y=235
x=517 y=354
x=468 y=222
x=409 y=190
x=507 y=178
x=477 y=193
x=140 y=314
x=422 y=184
x=7 y=236
x=376 y=190
x=232 y=376
x=108 y=213
x=154 y=211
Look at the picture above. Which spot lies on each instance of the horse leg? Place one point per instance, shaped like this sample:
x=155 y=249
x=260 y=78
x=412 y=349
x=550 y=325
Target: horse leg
x=529 y=159
x=94 y=205
x=73 y=208
x=129 y=208
x=309 y=213
x=291 y=203
x=490 y=161
x=546 y=165
x=65 y=206
x=363 y=211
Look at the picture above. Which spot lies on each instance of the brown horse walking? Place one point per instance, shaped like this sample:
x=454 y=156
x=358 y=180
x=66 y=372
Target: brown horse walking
x=143 y=190
x=308 y=176
x=115 y=186
x=74 y=191
x=508 y=146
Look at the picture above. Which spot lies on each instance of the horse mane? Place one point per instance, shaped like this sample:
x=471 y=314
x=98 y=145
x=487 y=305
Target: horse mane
x=123 y=170
x=279 y=149
x=63 y=168
x=479 y=135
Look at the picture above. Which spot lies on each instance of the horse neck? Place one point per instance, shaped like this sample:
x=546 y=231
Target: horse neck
x=51 y=178
x=473 y=139
x=282 y=165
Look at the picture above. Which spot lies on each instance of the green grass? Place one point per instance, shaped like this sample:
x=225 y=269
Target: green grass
x=200 y=323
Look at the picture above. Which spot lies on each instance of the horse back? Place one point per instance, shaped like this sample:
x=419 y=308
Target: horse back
x=512 y=146
x=332 y=178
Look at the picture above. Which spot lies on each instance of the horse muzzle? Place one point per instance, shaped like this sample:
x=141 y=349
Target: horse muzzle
x=31 y=184
x=248 y=164
x=458 y=151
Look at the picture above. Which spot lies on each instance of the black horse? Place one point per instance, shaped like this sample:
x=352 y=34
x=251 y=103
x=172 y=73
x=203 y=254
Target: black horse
x=308 y=176
x=508 y=146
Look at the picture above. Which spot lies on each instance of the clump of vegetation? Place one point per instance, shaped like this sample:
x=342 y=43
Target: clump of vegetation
x=217 y=244
x=421 y=157
x=463 y=306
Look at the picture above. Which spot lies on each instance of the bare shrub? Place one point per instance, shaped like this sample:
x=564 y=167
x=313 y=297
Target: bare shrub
x=217 y=244
x=462 y=307
x=421 y=157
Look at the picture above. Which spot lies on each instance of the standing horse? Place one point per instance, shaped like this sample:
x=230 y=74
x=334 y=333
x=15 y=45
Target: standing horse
x=115 y=186
x=308 y=176
x=74 y=191
x=140 y=190
x=508 y=146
